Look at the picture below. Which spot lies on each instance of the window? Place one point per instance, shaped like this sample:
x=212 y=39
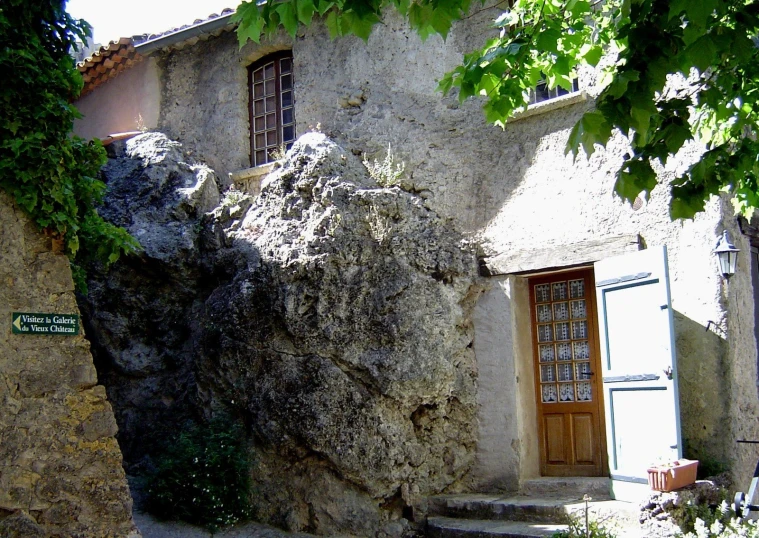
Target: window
x=272 y=116
x=542 y=93
x=564 y=343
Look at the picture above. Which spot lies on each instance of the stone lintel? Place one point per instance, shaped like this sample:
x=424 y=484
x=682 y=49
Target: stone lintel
x=558 y=256
x=249 y=180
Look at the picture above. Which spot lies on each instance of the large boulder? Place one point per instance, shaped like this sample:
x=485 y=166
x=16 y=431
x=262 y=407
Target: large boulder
x=333 y=316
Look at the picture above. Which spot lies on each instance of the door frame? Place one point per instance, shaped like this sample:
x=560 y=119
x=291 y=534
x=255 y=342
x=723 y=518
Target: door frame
x=591 y=305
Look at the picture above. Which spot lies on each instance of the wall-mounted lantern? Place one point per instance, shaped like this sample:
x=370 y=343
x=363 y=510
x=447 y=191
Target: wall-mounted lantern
x=727 y=255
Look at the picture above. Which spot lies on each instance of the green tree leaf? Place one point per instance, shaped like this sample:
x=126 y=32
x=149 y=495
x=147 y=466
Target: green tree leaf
x=250 y=23
x=305 y=9
x=635 y=177
x=288 y=17
x=592 y=129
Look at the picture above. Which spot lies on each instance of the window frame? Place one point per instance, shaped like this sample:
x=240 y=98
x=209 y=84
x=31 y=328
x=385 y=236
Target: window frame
x=268 y=148
x=555 y=93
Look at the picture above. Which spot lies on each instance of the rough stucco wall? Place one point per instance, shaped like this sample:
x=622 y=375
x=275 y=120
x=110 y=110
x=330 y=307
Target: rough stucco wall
x=497 y=417
x=60 y=466
x=204 y=99
x=129 y=102
x=738 y=296
x=454 y=157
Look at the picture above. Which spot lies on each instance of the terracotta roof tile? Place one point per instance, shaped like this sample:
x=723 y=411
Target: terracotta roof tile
x=111 y=59
x=106 y=62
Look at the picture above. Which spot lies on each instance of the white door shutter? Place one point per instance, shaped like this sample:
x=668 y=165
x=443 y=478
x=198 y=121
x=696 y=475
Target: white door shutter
x=638 y=367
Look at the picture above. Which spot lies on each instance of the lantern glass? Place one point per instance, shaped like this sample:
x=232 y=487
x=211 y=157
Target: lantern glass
x=727 y=261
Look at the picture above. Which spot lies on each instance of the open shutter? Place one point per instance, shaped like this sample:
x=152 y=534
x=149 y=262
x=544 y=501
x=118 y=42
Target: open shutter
x=638 y=367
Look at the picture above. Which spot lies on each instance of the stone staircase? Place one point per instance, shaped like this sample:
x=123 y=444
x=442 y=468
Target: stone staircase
x=540 y=510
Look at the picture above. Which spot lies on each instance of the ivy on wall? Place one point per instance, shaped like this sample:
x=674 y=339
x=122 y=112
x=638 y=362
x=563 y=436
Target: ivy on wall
x=51 y=174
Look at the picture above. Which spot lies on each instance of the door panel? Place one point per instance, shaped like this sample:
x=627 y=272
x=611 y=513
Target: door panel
x=633 y=335
x=638 y=365
x=583 y=435
x=554 y=426
x=570 y=411
x=638 y=422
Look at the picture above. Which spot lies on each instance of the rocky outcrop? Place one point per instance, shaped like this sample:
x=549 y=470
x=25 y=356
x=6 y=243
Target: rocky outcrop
x=140 y=316
x=331 y=315
x=60 y=465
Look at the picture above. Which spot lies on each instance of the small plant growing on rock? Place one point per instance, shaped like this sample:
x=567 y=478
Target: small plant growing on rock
x=581 y=525
x=232 y=197
x=202 y=477
x=388 y=172
x=278 y=153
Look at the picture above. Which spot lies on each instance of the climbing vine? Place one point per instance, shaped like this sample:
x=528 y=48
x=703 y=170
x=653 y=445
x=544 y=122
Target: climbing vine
x=51 y=174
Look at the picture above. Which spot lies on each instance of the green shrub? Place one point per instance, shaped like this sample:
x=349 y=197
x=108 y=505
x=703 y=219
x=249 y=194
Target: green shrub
x=577 y=529
x=388 y=172
x=203 y=476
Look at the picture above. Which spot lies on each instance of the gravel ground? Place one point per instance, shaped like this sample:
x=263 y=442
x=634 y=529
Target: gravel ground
x=152 y=528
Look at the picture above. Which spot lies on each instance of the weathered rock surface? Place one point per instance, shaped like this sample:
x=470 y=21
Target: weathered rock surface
x=60 y=466
x=140 y=317
x=669 y=514
x=333 y=316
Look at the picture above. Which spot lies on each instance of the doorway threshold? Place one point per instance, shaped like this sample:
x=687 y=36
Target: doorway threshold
x=598 y=488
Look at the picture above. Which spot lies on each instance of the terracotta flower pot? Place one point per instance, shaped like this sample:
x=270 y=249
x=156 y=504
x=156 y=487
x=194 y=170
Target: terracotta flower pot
x=672 y=476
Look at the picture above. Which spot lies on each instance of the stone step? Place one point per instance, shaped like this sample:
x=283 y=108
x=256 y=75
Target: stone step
x=500 y=508
x=599 y=488
x=446 y=527
x=521 y=508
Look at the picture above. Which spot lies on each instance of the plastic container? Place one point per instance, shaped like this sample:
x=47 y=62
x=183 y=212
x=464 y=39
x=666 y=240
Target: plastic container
x=672 y=476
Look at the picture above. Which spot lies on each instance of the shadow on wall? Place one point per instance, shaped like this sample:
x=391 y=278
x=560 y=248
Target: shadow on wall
x=704 y=392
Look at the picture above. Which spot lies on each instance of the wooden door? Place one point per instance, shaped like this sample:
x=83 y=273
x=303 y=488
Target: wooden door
x=639 y=370
x=566 y=359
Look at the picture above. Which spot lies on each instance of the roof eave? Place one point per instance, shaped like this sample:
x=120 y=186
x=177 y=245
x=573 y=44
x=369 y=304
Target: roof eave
x=151 y=45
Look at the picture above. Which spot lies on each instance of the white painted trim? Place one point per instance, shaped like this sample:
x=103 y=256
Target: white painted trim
x=551 y=104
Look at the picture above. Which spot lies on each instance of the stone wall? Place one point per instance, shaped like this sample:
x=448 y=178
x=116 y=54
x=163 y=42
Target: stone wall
x=60 y=465
x=738 y=326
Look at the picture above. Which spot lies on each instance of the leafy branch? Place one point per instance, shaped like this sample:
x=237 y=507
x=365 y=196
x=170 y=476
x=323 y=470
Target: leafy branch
x=345 y=17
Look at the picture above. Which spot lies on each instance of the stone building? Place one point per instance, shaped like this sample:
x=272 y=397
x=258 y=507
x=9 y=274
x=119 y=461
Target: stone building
x=595 y=312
